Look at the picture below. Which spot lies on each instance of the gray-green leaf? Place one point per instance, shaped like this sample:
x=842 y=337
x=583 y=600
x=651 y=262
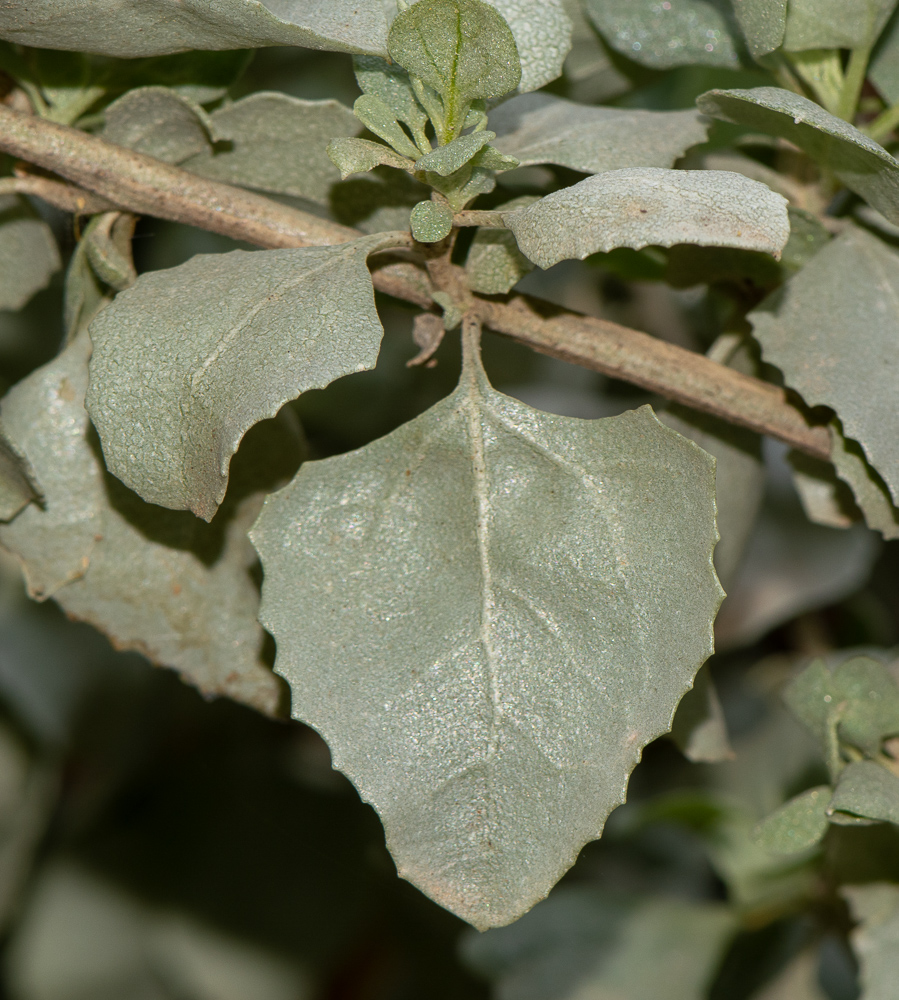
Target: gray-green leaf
x=527 y=598
x=541 y=128
x=188 y=359
x=763 y=23
x=834 y=24
x=542 y=33
x=28 y=253
x=431 y=221
x=277 y=143
x=868 y=790
x=391 y=84
x=377 y=117
x=17 y=483
x=649 y=206
x=798 y=825
x=494 y=263
x=159 y=122
x=699 y=729
x=859 y=162
x=664 y=35
x=354 y=156
x=876 y=940
x=157 y=27
x=163 y=583
x=868 y=488
x=833 y=330
x=884 y=67
x=446 y=160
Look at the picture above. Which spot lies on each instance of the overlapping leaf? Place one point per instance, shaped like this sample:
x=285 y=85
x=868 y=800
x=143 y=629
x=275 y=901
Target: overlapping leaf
x=17 y=486
x=157 y=27
x=28 y=253
x=159 y=122
x=833 y=330
x=884 y=68
x=542 y=33
x=526 y=596
x=867 y=790
x=859 y=162
x=541 y=128
x=188 y=359
x=798 y=825
x=868 y=488
x=164 y=583
x=876 y=908
x=649 y=206
x=763 y=23
x=834 y=24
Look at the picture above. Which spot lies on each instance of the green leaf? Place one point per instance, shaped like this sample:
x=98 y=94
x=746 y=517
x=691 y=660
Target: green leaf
x=859 y=162
x=763 y=23
x=583 y=943
x=446 y=160
x=157 y=27
x=835 y=24
x=28 y=252
x=542 y=32
x=17 y=483
x=463 y=49
x=494 y=263
x=107 y=243
x=431 y=221
x=833 y=331
x=685 y=33
x=876 y=907
x=699 y=729
x=541 y=128
x=390 y=83
x=353 y=156
x=377 y=117
x=159 y=122
x=798 y=825
x=84 y=293
x=163 y=583
x=649 y=206
x=490 y=570
x=868 y=790
x=188 y=359
x=868 y=488
x=883 y=71
x=277 y=143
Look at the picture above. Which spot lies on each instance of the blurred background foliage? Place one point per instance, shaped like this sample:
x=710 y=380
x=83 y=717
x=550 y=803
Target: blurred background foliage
x=154 y=845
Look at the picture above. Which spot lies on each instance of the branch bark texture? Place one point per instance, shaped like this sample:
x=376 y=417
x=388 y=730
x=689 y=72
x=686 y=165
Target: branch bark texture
x=138 y=183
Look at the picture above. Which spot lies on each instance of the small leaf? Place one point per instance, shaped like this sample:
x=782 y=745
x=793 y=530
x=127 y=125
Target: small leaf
x=158 y=122
x=84 y=293
x=677 y=34
x=859 y=162
x=463 y=49
x=163 y=583
x=868 y=488
x=798 y=825
x=240 y=333
x=431 y=221
x=446 y=160
x=763 y=23
x=377 y=117
x=28 y=253
x=157 y=27
x=107 y=243
x=833 y=328
x=495 y=264
x=427 y=333
x=868 y=790
x=277 y=143
x=511 y=584
x=876 y=907
x=699 y=729
x=391 y=84
x=541 y=128
x=17 y=483
x=647 y=206
x=834 y=24
x=355 y=156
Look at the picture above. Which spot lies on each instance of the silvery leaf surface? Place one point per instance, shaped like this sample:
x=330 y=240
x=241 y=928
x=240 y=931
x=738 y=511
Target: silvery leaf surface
x=541 y=128
x=649 y=206
x=763 y=23
x=859 y=162
x=542 y=33
x=488 y=614
x=833 y=330
x=834 y=24
x=277 y=143
x=660 y=35
x=157 y=27
x=28 y=252
x=157 y=581
x=159 y=122
x=188 y=359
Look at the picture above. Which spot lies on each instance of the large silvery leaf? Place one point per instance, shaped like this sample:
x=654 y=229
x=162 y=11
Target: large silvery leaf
x=542 y=33
x=833 y=330
x=157 y=27
x=834 y=24
x=488 y=614
x=875 y=939
x=649 y=206
x=159 y=122
x=188 y=359
x=763 y=23
x=540 y=128
x=160 y=582
x=859 y=162
x=665 y=35
x=28 y=253
x=277 y=143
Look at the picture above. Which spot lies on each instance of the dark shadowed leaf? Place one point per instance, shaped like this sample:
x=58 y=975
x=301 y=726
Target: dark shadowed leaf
x=28 y=252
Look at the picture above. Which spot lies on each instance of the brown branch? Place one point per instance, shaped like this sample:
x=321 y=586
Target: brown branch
x=147 y=186
x=64 y=196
